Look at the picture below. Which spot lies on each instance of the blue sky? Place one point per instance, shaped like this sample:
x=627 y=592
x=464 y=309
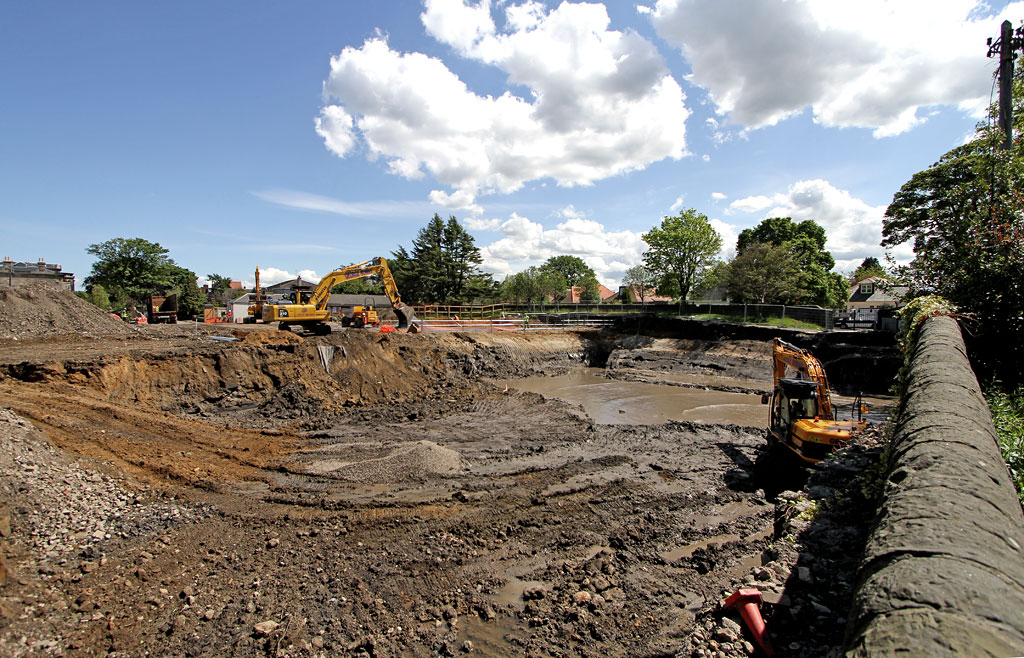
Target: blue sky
x=299 y=137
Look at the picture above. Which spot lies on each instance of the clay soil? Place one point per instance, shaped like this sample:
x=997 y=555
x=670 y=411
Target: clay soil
x=195 y=491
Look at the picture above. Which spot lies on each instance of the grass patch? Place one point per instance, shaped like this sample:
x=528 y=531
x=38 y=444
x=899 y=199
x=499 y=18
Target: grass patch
x=1008 y=416
x=771 y=322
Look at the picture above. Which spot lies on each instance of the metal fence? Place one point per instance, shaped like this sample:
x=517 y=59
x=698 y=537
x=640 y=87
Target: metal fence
x=563 y=314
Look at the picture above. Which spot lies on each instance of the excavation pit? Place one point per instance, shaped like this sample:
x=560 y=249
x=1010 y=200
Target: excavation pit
x=390 y=501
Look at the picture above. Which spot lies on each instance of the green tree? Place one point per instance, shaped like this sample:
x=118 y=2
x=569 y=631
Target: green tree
x=97 y=296
x=406 y=276
x=642 y=280
x=219 y=286
x=762 y=274
x=130 y=269
x=441 y=266
x=681 y=250
x=534 y=284
x=964 y=216
x=575 y=272
x=805 y=241
x=869 y=267
x=572 y=268
x=191 y=299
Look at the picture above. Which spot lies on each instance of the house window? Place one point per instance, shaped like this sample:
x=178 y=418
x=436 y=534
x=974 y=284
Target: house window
x=867 y=288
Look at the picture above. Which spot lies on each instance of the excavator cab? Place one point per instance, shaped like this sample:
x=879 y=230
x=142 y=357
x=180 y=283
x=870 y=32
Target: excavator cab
x=797 y=424
x=796 y=399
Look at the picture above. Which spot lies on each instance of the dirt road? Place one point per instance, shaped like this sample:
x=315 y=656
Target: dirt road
x=174 y=493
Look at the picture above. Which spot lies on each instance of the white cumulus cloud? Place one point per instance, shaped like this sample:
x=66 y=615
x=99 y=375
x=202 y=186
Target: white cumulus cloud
x=872 y=63
x=271 y=275
x=853 y=227
x=526 y=243
x=595 y=102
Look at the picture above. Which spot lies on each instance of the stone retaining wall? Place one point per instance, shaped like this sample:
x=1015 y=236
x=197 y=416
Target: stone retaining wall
x=943 y=571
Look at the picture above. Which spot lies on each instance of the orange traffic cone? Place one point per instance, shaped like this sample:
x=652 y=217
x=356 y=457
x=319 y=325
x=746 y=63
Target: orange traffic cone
x=748 y=601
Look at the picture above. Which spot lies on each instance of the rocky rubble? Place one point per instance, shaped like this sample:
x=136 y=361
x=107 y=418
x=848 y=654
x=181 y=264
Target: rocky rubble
x=808 y=572
x=61 y=509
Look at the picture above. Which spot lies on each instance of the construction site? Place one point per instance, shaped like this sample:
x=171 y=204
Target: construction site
x=217 y=490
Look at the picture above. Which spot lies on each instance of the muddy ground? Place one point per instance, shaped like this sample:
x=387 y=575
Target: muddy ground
x=186 y=491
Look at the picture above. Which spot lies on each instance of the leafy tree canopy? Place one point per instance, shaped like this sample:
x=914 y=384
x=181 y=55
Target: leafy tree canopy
x=869 y=267
x=964 y=216
x=130 y=269
x=218 y=283
x=534 y=284
x=762 y=273
x=575 y=272
x=681 y=250
x=572 y=268
x=805 y=243
x=97 y=296
x=191 y=299
x=442 y=266
x=642 y=280
x=806 y=239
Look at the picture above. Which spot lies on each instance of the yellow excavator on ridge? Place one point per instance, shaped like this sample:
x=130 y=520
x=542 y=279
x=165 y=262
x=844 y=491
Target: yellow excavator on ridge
x=309 y=308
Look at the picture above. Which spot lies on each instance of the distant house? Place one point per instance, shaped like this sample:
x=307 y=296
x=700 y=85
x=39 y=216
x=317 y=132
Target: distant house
x=631 y=295
x=875 y=292
x=574 y=294
x=239 y=306
x=287 y=287
x=15 y=273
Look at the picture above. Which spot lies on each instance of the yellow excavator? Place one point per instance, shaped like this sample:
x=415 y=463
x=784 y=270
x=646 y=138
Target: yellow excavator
x=309 y=308
x=802 y=417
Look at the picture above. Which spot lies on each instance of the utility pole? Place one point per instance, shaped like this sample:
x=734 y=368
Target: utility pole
x=1006 y=46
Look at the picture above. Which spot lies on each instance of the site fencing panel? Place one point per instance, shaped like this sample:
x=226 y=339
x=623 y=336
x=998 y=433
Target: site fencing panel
x=597 y=314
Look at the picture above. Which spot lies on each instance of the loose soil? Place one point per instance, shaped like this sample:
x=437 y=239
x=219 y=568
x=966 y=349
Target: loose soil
x=198 y=490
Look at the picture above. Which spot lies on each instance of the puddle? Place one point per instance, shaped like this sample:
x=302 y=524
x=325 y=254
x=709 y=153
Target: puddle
x=687 y=551
x=730 y=511
x=512 y=592
x=488 y=637
x=745 y=565
x=613 y=402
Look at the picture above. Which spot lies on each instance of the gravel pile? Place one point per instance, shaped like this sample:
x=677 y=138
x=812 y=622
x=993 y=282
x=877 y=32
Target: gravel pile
x=39 y=310
x=423 y=458
x=60 y=509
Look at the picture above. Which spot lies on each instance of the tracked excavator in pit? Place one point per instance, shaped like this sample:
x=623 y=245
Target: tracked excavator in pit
x=309 y=308
x=801 y=415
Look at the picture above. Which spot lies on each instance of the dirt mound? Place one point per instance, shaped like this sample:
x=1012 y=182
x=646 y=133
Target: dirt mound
x=40 y=310
x=422 y=458
x=271 y=337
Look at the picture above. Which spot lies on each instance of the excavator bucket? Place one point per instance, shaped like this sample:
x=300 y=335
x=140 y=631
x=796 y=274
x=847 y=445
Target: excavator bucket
x=406 y=317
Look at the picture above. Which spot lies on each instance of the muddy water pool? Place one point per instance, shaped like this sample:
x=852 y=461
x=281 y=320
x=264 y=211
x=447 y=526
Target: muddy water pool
x=614 y=402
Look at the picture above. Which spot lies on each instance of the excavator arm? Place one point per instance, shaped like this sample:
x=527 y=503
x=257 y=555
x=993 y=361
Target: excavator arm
x=807 y=368
x=375 y=267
